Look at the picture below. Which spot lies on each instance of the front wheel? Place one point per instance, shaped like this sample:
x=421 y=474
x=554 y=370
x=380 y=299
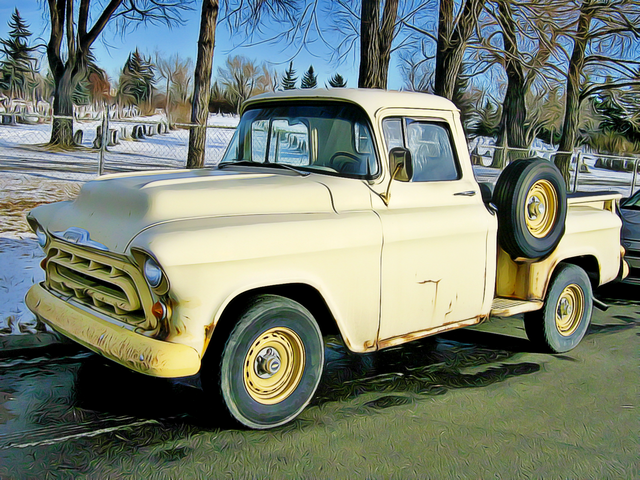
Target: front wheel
x=271 y=363
x=563 y=320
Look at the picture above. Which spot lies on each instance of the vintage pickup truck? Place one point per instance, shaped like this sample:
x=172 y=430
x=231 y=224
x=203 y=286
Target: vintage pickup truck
x=333 y=211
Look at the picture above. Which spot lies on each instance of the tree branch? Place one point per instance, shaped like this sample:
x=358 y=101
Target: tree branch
x=71 y=37
x=587 y=92
x=419 y=30
x=87 y=40
x=83 y=17
x=57 y=14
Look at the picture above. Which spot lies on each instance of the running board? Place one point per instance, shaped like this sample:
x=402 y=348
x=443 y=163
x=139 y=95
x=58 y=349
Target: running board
x=507 y=307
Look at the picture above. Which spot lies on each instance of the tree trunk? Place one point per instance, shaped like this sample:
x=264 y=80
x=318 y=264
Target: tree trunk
x=375 y=42
x=512 y=122
x=385 y=38
x=369 y=46
x=572 y=105
x=62 y=128
x=202 y=84
x=452 y=43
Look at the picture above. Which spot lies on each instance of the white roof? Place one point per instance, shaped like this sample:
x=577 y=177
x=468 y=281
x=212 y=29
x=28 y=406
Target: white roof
x=370 y=100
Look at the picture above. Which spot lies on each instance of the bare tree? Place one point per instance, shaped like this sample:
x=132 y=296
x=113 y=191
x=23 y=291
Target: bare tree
x=202 y=84
x=72 y=37
x=604 y=36
x=521 y=38
x=373 y=25
x=176 y=72
x=242 y=78
x=444 y=42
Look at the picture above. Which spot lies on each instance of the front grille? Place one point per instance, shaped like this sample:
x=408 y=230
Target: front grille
x=109 y=285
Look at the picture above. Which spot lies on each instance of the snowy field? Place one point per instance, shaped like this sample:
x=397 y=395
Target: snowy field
x=23 y=147
x=31 y=175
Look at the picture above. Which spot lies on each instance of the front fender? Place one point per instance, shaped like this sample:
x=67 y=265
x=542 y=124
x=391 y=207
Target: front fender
x=211 y=261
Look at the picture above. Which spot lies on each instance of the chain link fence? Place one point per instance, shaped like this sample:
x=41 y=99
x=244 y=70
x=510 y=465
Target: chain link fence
x=112 y=145
x=589 y=171
x=105 y=145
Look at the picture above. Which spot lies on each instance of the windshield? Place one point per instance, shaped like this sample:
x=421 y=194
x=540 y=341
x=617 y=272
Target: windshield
x=334 y=139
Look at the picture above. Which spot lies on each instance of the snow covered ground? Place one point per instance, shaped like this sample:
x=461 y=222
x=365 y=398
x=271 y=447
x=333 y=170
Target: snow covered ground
x=30 y=175
x=23 y=148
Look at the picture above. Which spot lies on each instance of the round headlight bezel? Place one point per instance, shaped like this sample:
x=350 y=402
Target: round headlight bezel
x=153 y=274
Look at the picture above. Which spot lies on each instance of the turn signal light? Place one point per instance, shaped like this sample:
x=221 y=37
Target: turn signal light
x=159 y=310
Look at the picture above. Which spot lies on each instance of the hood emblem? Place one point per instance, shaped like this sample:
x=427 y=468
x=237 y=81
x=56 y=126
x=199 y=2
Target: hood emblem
x=79 y=236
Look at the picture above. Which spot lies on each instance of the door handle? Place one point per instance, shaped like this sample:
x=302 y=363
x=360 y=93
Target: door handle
x=468 y=193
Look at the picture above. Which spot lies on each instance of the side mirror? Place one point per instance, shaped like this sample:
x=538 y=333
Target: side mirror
x=401 y=169
x=400 y=164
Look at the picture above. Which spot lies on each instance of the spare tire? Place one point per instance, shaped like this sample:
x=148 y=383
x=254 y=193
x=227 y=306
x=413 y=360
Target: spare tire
x=531 y=199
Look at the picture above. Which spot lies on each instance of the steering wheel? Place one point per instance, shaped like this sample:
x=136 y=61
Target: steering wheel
x=346 y=158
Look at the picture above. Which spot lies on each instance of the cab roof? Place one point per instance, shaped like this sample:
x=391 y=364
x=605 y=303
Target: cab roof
x=371 y=100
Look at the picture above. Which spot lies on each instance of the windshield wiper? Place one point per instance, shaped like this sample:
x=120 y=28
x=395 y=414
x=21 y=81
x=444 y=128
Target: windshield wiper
x=244 y=163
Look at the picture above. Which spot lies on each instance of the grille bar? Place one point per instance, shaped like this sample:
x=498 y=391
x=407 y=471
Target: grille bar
x=97 y=281
x=111 y=286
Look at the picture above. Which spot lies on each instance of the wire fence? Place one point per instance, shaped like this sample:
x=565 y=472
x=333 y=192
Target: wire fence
x=112 y=145
x=105 y=145
x=590 y=171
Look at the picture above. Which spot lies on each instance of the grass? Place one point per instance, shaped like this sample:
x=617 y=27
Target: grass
x=20 y=194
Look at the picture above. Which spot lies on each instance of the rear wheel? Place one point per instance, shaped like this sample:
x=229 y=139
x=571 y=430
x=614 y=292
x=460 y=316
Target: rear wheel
x=271 y=364
x=563 y=320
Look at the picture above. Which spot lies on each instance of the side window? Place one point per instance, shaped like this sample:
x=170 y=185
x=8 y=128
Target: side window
x=431 y=152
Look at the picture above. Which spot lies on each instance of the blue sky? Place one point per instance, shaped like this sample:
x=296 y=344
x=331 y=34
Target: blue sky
x=112 y=50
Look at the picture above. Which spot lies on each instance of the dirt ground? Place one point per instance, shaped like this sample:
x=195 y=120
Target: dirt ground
x=21 y=193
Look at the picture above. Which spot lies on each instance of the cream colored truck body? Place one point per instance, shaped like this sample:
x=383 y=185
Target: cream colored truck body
x=425 y=263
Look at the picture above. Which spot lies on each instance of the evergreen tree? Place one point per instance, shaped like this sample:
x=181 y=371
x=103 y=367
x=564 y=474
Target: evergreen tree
x=337 y=81
x=310 y=79
x=17 y=70
x=618 y=116
x=137 y=80
x=289 y=78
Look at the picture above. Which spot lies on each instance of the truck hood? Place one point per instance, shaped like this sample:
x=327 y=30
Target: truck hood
x=114 y=209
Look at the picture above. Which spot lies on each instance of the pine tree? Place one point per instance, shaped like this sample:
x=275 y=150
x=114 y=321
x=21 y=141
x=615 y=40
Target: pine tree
x=337 y=81
x=17 y=70
x=310 y=79
x=137 y=80
x=618 y=115
x=289 y=78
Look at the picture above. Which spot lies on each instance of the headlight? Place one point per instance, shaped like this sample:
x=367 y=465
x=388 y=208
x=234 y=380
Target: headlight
x=41 y=235
x=152 y=272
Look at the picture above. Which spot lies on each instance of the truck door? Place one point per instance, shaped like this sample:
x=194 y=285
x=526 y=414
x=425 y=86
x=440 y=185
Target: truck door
x=435 y=230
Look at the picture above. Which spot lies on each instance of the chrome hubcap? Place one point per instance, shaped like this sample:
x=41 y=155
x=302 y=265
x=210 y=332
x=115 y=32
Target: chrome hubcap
x=565 y=308
x=535 y=208
x=267 y=363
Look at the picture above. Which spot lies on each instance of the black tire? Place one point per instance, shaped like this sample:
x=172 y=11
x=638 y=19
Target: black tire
x=531 y=199
x=271 y=363
x=557 y=328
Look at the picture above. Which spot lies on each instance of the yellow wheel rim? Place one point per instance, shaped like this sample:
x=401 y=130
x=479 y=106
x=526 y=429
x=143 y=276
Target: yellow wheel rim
x=274 y=365
x=569 y=309
x=541 y=208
